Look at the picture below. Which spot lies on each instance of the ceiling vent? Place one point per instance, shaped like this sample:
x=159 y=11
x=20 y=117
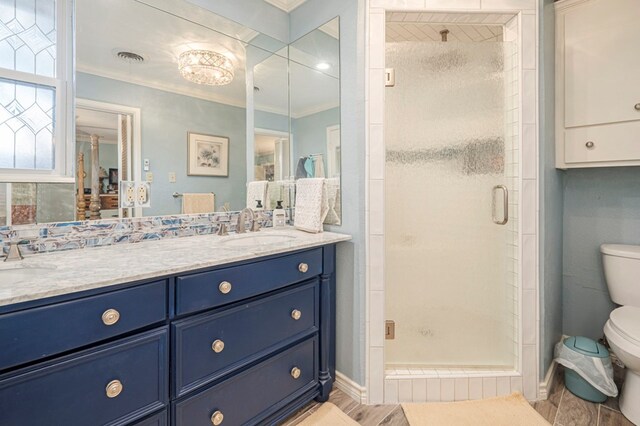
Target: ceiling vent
x=130 y=57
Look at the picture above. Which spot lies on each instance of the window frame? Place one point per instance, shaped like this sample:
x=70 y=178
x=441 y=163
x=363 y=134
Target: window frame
x=63 y=83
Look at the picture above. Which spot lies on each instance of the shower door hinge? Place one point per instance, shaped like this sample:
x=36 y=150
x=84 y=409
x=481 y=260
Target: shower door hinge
x=389 y=77
x=389 y=329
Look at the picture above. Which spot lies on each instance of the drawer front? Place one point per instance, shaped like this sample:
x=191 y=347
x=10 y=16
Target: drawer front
x=160 y=419
x=212 y=345
x=255 y=393
x=209 y=289
x=49 y=330
x=610 y=142
x=82 y=390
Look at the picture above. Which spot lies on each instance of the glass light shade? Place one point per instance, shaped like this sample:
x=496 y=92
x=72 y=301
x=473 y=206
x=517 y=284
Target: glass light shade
x=205 y=67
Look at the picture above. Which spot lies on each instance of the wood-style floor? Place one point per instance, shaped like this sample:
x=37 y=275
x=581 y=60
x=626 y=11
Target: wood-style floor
x=561 y=409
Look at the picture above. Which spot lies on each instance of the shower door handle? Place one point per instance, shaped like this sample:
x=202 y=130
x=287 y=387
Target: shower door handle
x=505 y=202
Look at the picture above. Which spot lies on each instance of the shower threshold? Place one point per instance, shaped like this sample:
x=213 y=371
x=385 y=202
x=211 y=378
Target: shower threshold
x=432 y=372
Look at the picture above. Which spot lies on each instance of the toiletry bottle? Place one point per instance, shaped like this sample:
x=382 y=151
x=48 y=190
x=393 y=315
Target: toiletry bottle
x=279 y=216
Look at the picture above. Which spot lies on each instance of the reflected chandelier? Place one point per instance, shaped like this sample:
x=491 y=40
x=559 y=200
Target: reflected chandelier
x=205 y=67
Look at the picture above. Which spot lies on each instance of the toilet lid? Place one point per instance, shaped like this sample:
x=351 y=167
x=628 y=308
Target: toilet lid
x=627 y=321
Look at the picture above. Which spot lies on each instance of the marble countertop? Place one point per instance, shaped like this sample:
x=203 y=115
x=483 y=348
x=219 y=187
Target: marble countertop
x=58 y=273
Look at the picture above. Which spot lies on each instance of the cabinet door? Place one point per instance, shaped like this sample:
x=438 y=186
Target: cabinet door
x=602 y=62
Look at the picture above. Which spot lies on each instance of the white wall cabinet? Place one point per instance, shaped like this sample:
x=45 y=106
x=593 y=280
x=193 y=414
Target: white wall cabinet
x=597 y=83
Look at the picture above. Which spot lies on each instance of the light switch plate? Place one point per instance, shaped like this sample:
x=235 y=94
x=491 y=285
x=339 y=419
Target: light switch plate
x=143 y=194
x=128 y=191
x=172 y=177
x=149 y=177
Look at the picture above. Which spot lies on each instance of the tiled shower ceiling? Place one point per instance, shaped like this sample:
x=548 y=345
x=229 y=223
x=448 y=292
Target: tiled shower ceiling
x=427 y=26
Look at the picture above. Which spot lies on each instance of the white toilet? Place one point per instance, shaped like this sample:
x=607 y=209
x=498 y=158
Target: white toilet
x=622 y=273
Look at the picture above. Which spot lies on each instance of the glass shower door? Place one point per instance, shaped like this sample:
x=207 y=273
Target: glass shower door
x=450 y=233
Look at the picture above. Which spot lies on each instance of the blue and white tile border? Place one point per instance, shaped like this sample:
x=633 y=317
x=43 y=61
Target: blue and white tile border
x=83 y=234
x=458 y=385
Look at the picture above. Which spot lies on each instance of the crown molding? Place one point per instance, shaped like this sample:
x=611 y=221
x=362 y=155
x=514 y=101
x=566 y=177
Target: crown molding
x=286 y=5
x=160 y=86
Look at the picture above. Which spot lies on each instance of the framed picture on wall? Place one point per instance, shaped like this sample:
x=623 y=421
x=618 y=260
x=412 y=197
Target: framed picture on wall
x=207 y=155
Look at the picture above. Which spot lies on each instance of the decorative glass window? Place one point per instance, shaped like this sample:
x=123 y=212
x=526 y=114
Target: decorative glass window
x=33 y=89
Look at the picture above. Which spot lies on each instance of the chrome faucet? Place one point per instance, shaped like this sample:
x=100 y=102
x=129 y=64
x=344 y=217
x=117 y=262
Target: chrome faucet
x=14 y=252
x=242 y=217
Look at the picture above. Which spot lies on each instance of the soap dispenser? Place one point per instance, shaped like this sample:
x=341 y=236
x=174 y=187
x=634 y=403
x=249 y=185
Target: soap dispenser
x=259 y=205
x=279 y=216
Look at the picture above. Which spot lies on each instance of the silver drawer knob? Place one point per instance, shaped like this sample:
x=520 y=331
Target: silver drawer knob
x=114 y=388
x=217 y=346
x=110 y=317
x=295 y=372
x=296 y=314
x=225 y=287
x=589 y=144
x=217 y=418
x=303 y=267
x=637 y=107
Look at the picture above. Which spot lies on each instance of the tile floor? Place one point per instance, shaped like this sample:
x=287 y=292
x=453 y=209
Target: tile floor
x=561 y=409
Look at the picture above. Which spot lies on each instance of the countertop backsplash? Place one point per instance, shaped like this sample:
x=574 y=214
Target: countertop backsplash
x=59 y=236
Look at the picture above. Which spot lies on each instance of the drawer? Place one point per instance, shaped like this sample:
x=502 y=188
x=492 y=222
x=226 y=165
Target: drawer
x=82 y=389
x=611 y=142
x=159 y=419
x=216 y=288
x=255 y=393
x=40 y=332
x=212 y=345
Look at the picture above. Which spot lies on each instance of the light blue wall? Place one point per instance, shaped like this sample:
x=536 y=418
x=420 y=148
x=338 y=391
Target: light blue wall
x=166 y=118
x=351 y=255
x=551 y=198
x=271 y=121
x=601 y=206
x=309 y=134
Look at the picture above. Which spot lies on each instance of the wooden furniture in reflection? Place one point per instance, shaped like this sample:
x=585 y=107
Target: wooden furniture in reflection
x=94 y=204
x=81 y=205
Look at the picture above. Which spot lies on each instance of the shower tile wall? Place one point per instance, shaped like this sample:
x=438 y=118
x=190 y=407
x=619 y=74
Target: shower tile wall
x=526 y=378
x=512 y=170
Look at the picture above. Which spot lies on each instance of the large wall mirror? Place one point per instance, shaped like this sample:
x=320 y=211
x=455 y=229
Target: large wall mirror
x=258 y=113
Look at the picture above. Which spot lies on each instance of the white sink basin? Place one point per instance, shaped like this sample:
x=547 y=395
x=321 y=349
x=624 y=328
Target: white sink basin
x=15 y=272
x=256 y=239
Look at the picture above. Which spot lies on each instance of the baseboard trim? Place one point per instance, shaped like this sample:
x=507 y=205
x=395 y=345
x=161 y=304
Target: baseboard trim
x=351 y=388
x=549 y=381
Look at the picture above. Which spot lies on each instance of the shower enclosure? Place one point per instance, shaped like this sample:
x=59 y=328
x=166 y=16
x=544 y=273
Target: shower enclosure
x=451 y=216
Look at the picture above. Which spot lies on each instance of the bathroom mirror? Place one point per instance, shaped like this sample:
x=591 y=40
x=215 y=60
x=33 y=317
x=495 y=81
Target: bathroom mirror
x=142 y=112
x=297 y=132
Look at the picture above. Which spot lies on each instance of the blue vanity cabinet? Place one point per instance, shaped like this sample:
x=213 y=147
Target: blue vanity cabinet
x=247 y=343
x=111 y=384
x=32 y=334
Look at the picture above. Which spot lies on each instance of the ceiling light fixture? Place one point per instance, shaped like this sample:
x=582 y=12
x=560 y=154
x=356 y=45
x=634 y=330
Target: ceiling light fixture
x=322 y=66
x=205 y=67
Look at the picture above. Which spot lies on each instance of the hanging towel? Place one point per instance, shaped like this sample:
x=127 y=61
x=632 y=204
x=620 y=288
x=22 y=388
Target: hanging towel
x=318 y=166
x=198 y=203
x=300 y=170
x=309 y=167
x=333 y=202
x=256 y=191
x=274 y=194
x=311 y=204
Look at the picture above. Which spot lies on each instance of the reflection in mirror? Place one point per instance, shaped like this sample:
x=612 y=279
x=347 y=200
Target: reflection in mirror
x=315 y=110
x=136 y=56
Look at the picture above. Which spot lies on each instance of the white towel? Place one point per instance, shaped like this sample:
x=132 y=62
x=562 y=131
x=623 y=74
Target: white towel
x=318 y=163
x=311 y=204
x=277 y=191
x=256 y=191
x=198 y=203
x=333 y=202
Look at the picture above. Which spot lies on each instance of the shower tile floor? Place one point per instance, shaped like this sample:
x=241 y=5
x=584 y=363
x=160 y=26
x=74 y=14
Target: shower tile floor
x=561 y=409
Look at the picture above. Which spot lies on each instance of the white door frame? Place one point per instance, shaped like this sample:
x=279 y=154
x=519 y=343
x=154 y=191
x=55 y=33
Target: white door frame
x=136 y=140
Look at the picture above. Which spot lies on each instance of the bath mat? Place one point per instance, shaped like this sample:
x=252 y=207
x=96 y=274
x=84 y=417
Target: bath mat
x=512 y=410
x=328 y=415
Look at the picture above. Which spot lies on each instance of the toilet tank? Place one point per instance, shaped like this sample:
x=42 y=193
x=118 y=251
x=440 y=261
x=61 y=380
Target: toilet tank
x=622 y=272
